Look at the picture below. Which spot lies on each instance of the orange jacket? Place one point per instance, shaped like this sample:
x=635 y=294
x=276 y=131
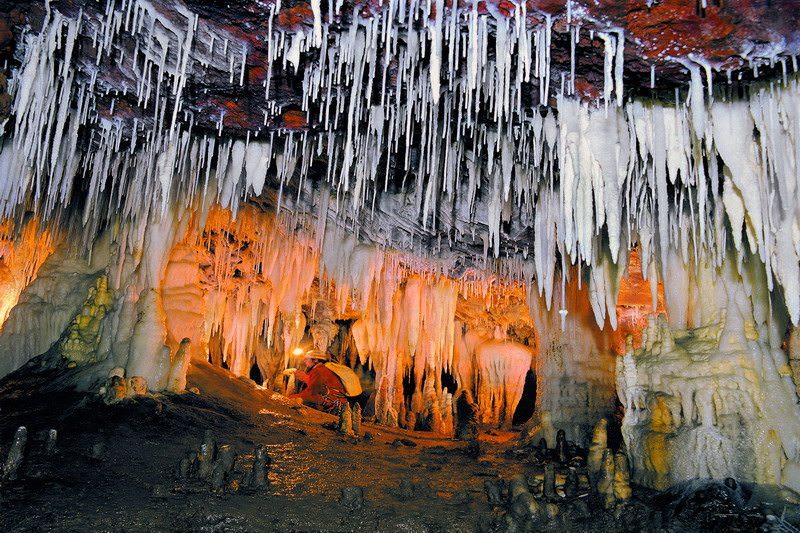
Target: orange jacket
x=323 y=388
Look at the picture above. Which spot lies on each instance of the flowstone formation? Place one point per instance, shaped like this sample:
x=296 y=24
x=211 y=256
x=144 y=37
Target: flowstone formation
x=82 y=337
x=710 y=393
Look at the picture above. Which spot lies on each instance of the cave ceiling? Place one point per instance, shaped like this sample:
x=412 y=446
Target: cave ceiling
x=234 y=82
x=730 y=36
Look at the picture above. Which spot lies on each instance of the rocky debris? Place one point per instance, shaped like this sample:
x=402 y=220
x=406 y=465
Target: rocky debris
x=405 y=491
x=16 y=454
x=137 y=386
x=461 y=497
x=97 y=451
x=716 y=505
x=494 y=491
x=403 y=442
x=408 y=490
x=160 y=491
x=116 y=390
x=352 y=498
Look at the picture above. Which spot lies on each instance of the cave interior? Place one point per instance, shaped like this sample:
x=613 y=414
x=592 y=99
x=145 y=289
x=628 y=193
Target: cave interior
x=547 y=251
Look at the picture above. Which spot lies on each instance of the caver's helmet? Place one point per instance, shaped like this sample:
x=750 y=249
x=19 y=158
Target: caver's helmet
x=319 y=355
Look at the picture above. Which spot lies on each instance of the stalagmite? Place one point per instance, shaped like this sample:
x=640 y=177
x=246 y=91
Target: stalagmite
x=357 y=417
x=222 y=466
x=50 y=442
x=116 y=390
x=261 y=462
x=180 y=364
x=137 y=386
x=598 y=447
x=549 y=487
x=16 y=454
x=345 y=426
x=622 y=487
x=524 y=507
x=205 y=456
x=561 y=446
x=605 y=482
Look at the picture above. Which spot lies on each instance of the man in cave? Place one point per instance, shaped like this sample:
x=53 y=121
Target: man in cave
x=323 y=388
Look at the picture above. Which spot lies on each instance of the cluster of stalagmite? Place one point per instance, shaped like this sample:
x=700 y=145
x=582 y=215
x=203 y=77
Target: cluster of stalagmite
x=222 y=469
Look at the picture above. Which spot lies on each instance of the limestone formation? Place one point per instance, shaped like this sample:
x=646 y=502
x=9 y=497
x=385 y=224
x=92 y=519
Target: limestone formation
x=82 y=338
x=695 y=389
x=444 y=194
x=525 y=509
x=517 y=486
x=185 y=466
x=571 y=484
x=494 y=491
x=222 y=466
x=605 y=480
x=116 y=390
x=205 y=457
x=622 y=477
x=561 y=446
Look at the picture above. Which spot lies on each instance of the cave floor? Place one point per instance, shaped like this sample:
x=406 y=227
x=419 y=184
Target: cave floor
x=115 y=468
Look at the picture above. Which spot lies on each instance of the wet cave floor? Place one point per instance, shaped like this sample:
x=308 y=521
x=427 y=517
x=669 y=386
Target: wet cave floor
x=114 y=469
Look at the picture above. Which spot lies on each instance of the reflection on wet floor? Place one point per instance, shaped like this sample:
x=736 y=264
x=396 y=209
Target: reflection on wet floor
x=291 y=469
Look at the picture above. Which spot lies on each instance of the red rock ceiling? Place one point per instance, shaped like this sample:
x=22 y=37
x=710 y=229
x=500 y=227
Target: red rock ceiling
x=726 y=33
